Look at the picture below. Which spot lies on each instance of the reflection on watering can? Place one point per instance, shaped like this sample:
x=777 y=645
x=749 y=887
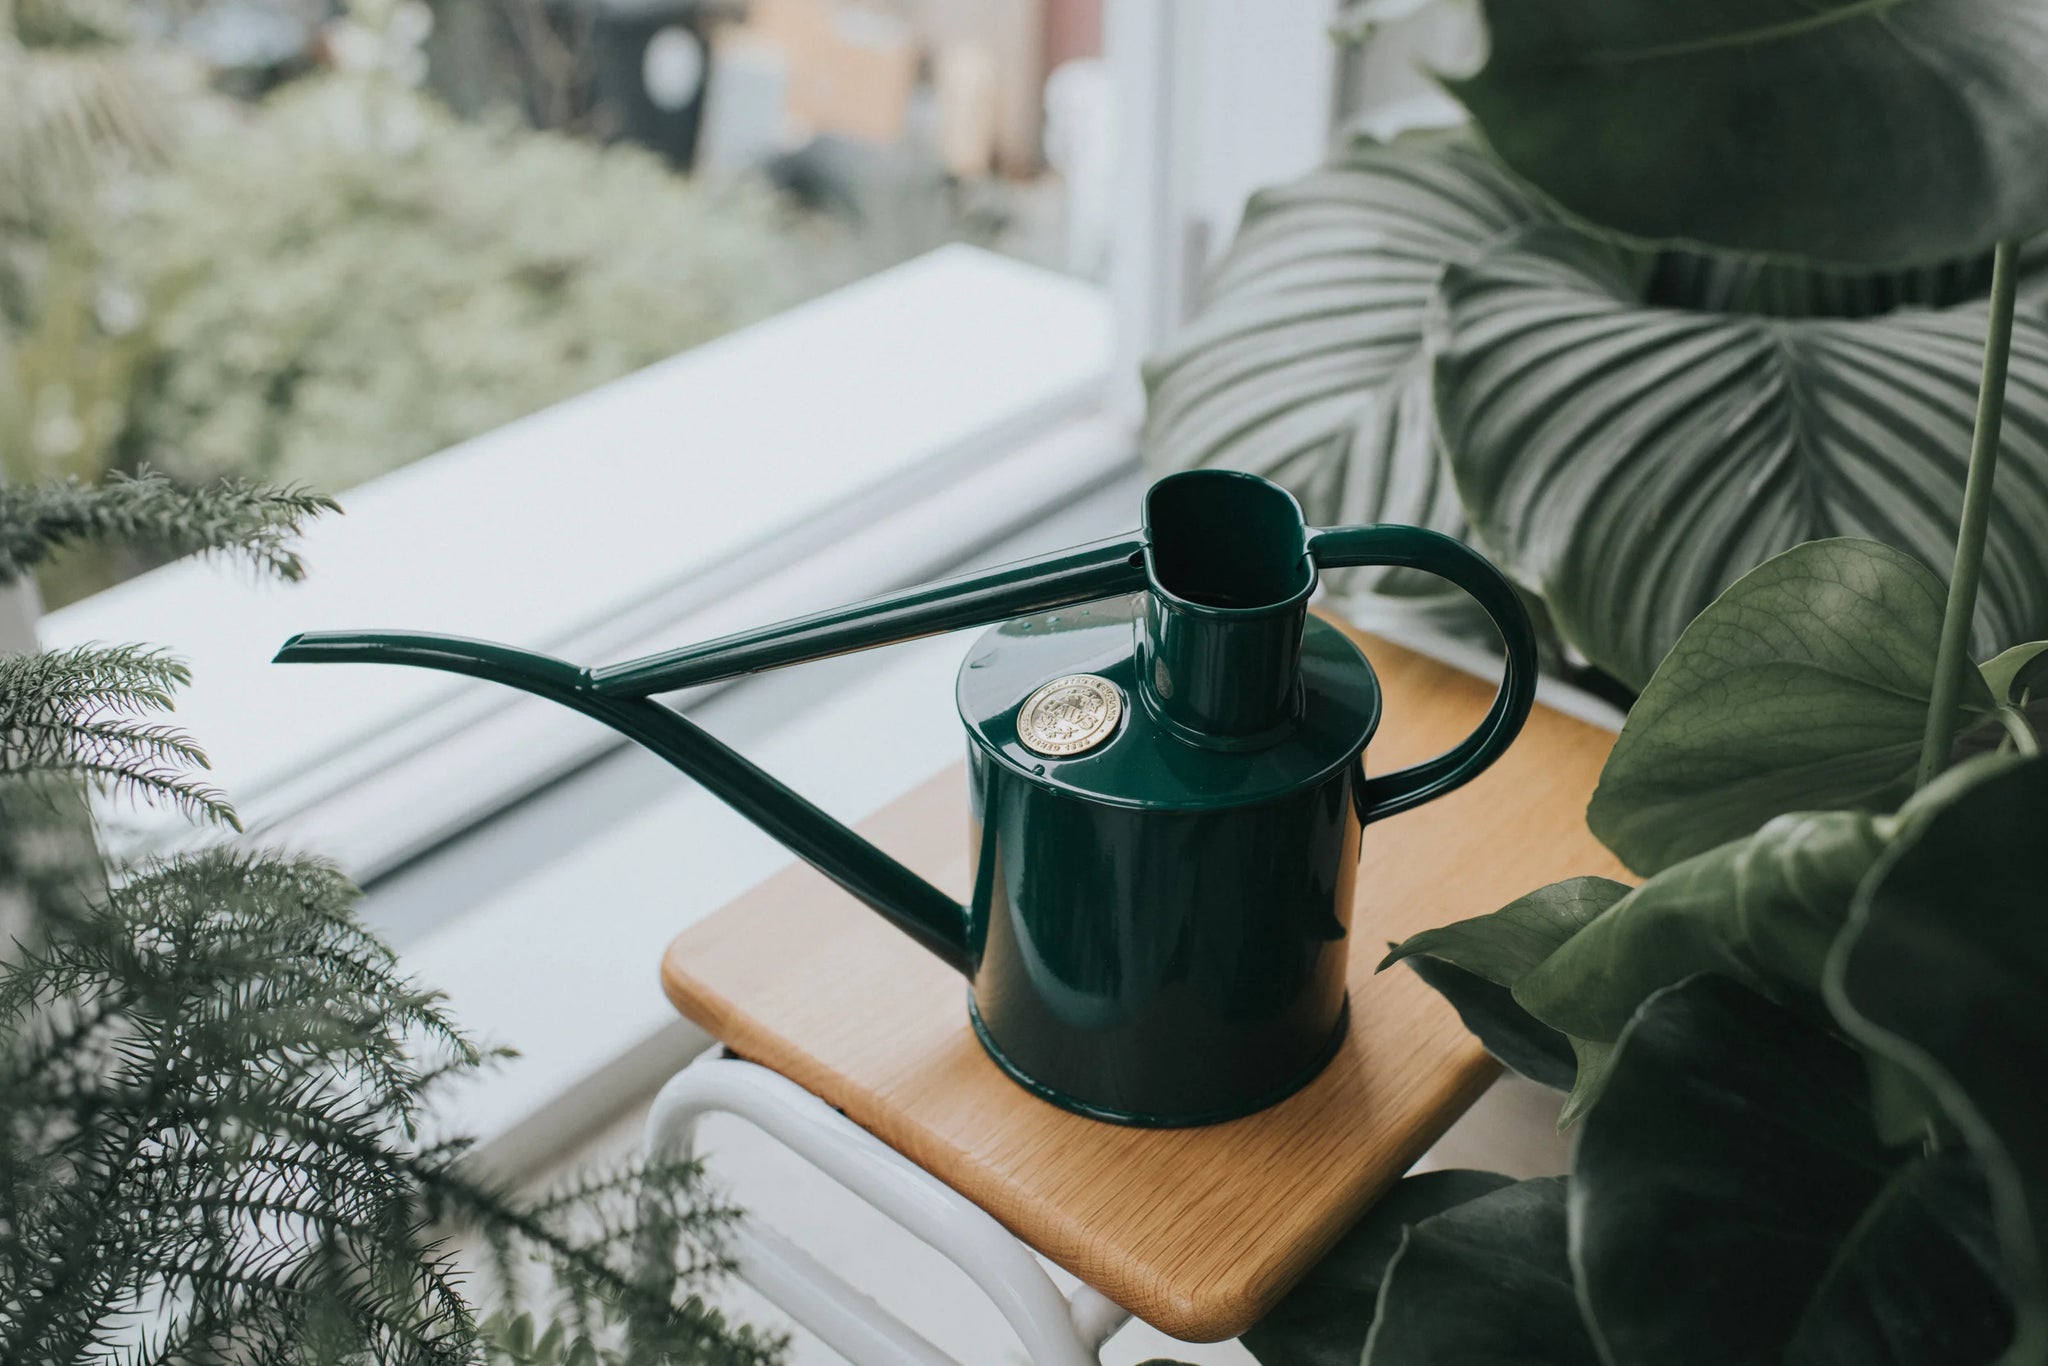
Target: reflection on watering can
x=1167 y=779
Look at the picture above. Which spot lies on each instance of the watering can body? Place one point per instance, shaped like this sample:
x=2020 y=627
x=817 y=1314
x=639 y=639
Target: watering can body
x=1167 y=778
x=1159 y=929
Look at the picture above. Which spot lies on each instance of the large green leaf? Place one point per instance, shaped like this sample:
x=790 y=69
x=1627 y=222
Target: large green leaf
x=1475 y=964
x=1580 y=957
x=1916 y=1283
x=1722 y=283
x=1596 y=1060
x=1513 y=941
x=1804 y=685
x=1631 y=462
x=1763 y=911
x=1324 y=1320
x=1486 y=1284
x=1517 y=1040
x=1871 y=131
x=1944 y=969
x=1730 y=1158
x=1306 y=360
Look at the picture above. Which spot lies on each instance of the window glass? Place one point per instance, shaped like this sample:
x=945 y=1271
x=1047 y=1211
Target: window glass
x=309 y=241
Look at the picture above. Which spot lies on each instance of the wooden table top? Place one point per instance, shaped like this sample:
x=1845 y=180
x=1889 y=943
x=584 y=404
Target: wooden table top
x=1197 y=1231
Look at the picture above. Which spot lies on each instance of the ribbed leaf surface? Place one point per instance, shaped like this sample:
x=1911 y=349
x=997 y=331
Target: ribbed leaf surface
x=1306 y=362
x=1630 y=462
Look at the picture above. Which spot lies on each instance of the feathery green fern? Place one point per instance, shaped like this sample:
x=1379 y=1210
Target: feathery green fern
x=214 y=1081
x=84 y=712
x=231 y=517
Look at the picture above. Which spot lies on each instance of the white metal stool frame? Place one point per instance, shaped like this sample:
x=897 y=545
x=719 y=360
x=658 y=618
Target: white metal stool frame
x=1056 y=1330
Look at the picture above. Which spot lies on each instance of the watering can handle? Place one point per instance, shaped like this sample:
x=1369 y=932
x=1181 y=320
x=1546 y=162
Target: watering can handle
x=1408 y=547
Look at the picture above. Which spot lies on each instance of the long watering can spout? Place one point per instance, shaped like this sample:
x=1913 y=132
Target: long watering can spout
x=620 y=696
x=906 y=900
x=1041 y=584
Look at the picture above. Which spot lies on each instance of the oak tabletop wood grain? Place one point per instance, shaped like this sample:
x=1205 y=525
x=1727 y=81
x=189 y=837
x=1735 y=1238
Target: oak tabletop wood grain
x=1196 y=1231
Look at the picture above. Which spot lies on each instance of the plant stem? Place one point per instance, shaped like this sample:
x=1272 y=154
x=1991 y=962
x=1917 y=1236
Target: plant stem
x=1953 y=656
x=2018 y=729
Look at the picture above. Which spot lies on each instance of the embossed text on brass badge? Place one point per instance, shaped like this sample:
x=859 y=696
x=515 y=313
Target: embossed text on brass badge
x=1070 y=715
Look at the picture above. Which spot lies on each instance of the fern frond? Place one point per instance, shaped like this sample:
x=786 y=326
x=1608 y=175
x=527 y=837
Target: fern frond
x=232 y=518
x=213 y=1076
x=127 y=680
x=50 y=867
x=621 y=1247
x=336 y=1304
x=83 y=712
x=211 y=1080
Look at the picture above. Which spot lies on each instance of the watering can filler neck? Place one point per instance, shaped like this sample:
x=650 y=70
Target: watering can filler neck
x=1217 y=692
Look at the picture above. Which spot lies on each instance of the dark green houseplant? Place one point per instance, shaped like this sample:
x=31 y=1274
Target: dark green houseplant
x=213 y=1078
x=1804 y=1055
x=1535 y=334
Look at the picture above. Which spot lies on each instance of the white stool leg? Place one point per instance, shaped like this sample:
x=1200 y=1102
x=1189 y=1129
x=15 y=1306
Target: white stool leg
x=1054 y=1332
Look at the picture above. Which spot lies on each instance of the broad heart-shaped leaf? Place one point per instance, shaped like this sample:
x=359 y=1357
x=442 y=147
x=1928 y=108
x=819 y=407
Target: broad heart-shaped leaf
x=1630 y=463
x=1867 y=131
x=1325 y=1318
x=1486 y=1284
x=1944 y=968
x=1507 y=945
x=1804 y=685
x=1730 y=1158
x=1305 y=361
x=1763 y=911
x=1917 y=1281
x=1475 y=964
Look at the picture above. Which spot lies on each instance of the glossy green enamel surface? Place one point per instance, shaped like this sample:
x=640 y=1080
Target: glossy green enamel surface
x=910 y=903
x=1409 y=547
x=1145 y=765
x=1227 y=566
x=1157 y=929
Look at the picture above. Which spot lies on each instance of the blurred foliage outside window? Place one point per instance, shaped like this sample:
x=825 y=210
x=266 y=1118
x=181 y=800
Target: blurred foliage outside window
x=336 y=276
x=420 y=280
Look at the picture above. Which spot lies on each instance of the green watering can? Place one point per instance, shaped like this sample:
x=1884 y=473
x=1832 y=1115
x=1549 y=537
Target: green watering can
x=1167 y=772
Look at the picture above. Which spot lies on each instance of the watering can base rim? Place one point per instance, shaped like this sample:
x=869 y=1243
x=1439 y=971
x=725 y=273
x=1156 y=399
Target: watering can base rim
x=1139 y=1119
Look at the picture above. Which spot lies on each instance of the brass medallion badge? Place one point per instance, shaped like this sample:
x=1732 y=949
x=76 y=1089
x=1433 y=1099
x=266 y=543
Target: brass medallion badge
x=1070 y=715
